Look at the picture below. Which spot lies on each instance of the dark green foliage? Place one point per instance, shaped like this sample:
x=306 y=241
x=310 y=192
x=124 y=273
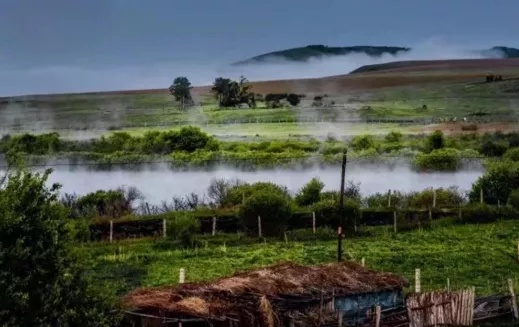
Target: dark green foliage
x=512 y=154
x=231 y=93
x=328 y=211
x=494 y=148
x=293 y=99
x=181 y=90
x=513 y=199
x=498 y=182
x=239 y=192
x=443 y=160
x=183 y=228
x=274 y=209
x=41 y=282
x=34 y=144
x=480 y=213
x=394 y=137
x=435 y=141
x=310 y=193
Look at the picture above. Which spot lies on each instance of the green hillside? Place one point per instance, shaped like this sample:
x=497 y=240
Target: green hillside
x=317 y=51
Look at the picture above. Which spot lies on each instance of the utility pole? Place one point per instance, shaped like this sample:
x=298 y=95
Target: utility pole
x=341 y=207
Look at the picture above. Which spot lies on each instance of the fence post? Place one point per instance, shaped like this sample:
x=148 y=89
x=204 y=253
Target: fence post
x=512 y=293
x=182 y=276
x=389 y=198
x=164 y=231
x=434 y=198
x=213 y=232
x=111 y=231
x=481 y=196
x=363 y=262
x=259 y=226
x=394 y=221
x=448 y=284
x=313 y=221
x=430 y=214
x=377 y=313
x=417 y=284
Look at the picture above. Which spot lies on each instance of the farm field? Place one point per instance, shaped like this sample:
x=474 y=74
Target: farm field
x=481 y=255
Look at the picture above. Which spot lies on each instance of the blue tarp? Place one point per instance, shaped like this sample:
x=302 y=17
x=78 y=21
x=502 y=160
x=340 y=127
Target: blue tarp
x=355 y=308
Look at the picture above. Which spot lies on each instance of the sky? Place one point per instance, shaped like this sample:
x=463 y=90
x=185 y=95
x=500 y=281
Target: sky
x=70 y=46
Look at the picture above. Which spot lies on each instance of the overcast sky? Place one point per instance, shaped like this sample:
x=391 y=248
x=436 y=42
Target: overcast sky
x=45 y=42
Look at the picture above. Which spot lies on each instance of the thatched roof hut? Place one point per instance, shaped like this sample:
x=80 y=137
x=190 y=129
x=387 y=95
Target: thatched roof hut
x=262 y=297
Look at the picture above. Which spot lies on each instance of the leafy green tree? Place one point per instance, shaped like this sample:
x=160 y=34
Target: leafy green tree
x=394 y=137
x=41 y=281
x=435 y=141
x=310 y=193
x=231 y=93
x=500 y=179
x=293 y=99
x=274 y=209
x=181 y=90
x=363 y=142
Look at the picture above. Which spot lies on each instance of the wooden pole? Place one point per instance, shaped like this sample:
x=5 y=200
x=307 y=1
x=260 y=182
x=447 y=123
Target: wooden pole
x=339 y=318
x=514 y=302
x=434 y=198
x=182 y=276
x=341 y=204
x=394 y=221
x=313 y=221
x=111 y=231
x=481 y=196
x=259 y=226
x=213 y=232
x=448 y=284
x=164 y=228
x=377 y=313
x=363 y=262
x=389 y=198
x=417 y=284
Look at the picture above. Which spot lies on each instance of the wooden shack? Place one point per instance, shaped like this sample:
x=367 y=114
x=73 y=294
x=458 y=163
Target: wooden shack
x=285 y=294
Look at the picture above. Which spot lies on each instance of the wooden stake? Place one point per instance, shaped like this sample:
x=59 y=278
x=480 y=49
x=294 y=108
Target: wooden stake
x=514 y=302
x=213 y=232
x=481 y=195
x=111 y=231
x=182 y=276
x=434 y=199
x=313 y=221
x=389 y=198
x=164 y=231
x=394 y=221
x=377 y=313
x=339 y=318
x=448 y=284
x=363 y=262
x=259 y=226
x=417 y=284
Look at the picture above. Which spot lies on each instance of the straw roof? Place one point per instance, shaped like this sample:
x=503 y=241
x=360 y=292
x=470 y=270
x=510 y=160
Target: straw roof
x=245 y=293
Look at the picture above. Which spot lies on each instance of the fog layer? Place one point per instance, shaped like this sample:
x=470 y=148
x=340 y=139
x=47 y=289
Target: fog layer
x=63 y=79
x=162 y=184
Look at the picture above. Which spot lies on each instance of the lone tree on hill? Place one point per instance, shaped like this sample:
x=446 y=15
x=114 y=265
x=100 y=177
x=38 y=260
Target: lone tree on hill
x=181 y=90
x=231 y=93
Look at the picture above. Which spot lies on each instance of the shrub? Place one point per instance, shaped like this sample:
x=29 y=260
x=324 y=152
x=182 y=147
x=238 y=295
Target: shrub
x=328 y=212
x=441 y=159
x=310 y=193
x=362 y=142
x=274 y=209
x=512 y=154
x=240 y=192
x=497 y=182
x=34 y=144
x=480 y=213
x=435 y=141
x=513 y=199
x=183 y=228
x=393 y=137
x=293 y=99
x=493 y=148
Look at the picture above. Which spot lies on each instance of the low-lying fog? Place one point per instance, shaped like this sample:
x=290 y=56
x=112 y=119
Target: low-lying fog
x=161 y=183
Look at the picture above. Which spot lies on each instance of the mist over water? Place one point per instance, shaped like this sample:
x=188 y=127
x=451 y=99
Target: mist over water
x=161 y=183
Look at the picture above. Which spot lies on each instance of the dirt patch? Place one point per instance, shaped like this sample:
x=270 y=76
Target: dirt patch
x=468 y=128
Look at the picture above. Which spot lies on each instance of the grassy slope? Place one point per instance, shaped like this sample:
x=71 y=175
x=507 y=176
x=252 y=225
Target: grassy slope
x=470 y=255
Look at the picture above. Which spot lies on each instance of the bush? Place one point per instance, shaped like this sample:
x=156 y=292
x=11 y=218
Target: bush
x=480 y=213
x=310 y=193
x=274 y=209
x=362 y=142
x=293 y=99
x=494 y=148
x=240 y=192
x=394 y=137
x=513 y=199
x=441 y=159
x=183 y=228
x=500 y=179
x=328 y=213
x=512 y=154
x=435 y=141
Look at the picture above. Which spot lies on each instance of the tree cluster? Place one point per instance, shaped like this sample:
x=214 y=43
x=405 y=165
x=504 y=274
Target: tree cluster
x=233 y=93
x=181 y=91
x=493 y=78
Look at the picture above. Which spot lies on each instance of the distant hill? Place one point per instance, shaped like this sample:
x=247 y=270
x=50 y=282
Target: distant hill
x=302 y=54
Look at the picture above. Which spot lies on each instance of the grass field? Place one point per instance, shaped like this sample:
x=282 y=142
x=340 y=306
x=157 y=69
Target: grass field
x=469 y=255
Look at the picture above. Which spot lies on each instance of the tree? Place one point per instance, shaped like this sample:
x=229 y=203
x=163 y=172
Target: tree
x=231 y=93
x=181 y=90
x=41 y=281
x=293 y=99
x=435 y=141
x=500 y=179
x=310 y=193
x=273 y=208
